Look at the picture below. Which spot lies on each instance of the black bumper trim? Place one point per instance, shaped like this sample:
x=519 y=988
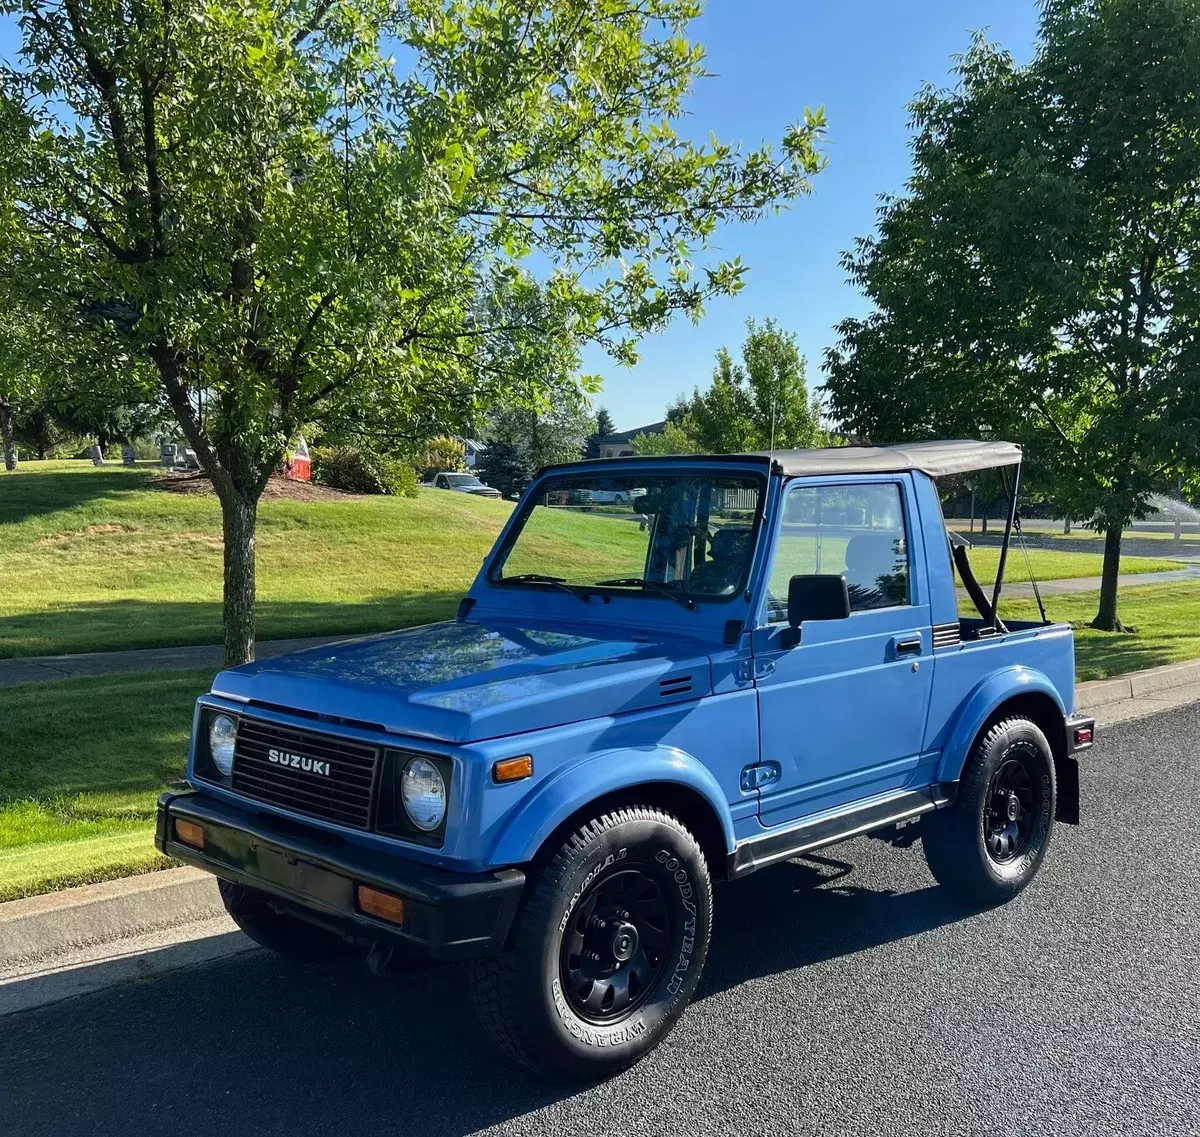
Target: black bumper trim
x=449 y=915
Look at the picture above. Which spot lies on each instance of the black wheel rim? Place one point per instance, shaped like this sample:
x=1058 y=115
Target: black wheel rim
x=616 y=945
x=1008 y=810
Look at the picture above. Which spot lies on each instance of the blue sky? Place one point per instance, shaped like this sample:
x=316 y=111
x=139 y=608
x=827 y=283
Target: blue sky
x=863 y=60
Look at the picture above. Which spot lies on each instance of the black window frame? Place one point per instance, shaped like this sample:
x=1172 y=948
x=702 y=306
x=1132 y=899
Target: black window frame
x=529 y=503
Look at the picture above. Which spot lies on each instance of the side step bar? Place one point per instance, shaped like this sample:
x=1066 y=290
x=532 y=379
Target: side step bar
x=814 y=833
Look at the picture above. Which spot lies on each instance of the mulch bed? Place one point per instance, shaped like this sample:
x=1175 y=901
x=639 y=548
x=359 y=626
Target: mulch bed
x=278 y=488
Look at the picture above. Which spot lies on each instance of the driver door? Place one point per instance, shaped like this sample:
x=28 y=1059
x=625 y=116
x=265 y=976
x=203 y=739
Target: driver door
x=842 y=713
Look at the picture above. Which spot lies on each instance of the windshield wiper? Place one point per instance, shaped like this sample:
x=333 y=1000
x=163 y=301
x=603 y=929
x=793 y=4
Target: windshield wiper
x=650 y=585
x=575 y=590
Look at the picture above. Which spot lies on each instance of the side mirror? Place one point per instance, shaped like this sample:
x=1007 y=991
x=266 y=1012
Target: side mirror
x=822 y=596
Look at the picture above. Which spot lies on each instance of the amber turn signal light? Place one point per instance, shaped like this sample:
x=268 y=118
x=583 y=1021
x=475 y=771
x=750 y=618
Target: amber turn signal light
x=382 y=905
x=189 y=833
x=513 y=769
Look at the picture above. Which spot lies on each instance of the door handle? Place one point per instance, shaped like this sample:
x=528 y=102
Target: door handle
x=908 y=647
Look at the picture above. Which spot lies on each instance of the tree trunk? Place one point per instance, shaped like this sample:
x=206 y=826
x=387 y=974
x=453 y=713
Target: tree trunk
x=239 y=514
x=1106 y=618
x=6 y=430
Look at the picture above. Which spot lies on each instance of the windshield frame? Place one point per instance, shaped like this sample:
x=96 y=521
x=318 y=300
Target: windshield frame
x=659 y=469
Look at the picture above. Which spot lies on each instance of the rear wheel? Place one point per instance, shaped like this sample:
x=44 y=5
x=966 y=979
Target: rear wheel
x=277 y=931
x=607 y=950
x=989 y=844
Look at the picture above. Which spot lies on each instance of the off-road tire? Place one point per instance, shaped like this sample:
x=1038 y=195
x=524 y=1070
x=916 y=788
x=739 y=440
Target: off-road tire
x=520 y=997
x=956 y=839
x=278 y=932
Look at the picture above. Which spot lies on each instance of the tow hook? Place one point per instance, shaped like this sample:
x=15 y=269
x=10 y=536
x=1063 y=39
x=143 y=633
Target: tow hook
x=387 y=960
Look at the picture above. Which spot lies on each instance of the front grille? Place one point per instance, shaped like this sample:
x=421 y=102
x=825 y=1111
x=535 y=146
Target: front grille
x=342 y=795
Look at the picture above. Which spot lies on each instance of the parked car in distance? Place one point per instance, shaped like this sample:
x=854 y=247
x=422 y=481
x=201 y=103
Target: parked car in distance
x=462 y=483
x=547 y=787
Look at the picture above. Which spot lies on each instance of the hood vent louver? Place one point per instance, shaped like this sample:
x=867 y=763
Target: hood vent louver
x=675 y=685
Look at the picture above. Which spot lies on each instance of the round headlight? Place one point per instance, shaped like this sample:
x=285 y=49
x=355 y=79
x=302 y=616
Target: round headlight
x=423 y=792
x=222 y=736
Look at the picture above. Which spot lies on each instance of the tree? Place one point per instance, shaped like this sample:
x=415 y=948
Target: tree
x=1039 y=279
x=760 y=403
x=506 y=467
x=294 y=233
x=604 y=427
x=674 y=438
x=546 y=432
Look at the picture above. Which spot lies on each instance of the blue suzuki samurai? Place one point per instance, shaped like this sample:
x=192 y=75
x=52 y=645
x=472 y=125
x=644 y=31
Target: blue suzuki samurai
x=668 y=672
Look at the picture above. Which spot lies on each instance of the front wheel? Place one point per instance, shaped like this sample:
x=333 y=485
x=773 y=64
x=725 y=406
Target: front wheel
x=607 y=950
x=989 y=844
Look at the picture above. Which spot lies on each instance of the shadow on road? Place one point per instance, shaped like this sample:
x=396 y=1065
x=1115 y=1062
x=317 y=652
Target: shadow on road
x=257 y=1045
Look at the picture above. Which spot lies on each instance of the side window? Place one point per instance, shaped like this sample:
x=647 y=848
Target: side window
x=858 y=531
x=440 y=482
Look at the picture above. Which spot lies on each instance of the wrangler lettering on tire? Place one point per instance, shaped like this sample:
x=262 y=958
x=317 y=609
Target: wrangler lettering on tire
x=607 y=949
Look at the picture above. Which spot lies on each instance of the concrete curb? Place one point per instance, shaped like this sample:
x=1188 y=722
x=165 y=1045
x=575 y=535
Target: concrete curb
x=39 y=927
x=1101 y=692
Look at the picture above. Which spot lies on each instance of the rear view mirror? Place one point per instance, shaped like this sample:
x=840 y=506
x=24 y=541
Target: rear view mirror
x=822 y=596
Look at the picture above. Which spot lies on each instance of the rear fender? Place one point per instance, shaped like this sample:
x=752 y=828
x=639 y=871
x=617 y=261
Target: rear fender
x=989 y=694
x=596 y=776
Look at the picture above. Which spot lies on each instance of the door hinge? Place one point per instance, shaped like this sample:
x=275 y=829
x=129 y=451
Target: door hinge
x=751 y=669
x=759 y=775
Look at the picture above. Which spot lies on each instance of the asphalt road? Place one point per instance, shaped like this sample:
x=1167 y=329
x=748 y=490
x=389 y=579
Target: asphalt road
x=843 y=995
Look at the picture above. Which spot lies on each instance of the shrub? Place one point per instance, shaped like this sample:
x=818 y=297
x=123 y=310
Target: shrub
x=362 y=471
x=443 y=454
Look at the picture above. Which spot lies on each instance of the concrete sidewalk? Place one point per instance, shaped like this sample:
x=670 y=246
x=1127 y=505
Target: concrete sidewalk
x=1083 y=583
x=41 y=668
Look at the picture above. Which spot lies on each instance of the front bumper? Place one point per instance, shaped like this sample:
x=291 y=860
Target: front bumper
x=311 y=873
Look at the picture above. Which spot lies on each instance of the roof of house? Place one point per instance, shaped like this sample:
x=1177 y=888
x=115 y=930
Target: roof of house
x=630 y=435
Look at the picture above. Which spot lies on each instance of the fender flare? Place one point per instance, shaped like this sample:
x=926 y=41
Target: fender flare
x=607 y=771
x=988 y=694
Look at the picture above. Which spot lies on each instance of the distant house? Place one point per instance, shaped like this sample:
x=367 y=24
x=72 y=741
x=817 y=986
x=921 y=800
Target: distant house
x=620 y=445
x=474 y=451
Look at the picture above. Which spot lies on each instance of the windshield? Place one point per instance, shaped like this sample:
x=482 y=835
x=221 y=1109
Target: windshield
x=684 y=534
x=462 y=480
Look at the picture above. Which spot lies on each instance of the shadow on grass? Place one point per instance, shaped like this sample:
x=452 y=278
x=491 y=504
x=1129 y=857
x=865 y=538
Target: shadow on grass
x=26 y=494
x=393 y=1056
x=96 y=747
x=1101 y=654
x=120 y=625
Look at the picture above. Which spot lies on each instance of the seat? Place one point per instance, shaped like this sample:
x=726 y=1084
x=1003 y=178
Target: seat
x=876 y=570
x=722 y=572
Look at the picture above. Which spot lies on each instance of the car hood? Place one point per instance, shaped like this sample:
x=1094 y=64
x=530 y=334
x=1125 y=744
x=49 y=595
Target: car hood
x=465 y=681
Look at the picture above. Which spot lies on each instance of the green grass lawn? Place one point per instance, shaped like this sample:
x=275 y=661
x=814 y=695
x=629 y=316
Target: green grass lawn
x=1166 y=616
x=83 y=762
x=105 y=559
x=101 y=559
x=1051 y=564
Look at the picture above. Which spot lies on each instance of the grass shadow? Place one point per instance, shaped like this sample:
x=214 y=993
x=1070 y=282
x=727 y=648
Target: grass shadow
x=27 y=494
x=125 y=624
